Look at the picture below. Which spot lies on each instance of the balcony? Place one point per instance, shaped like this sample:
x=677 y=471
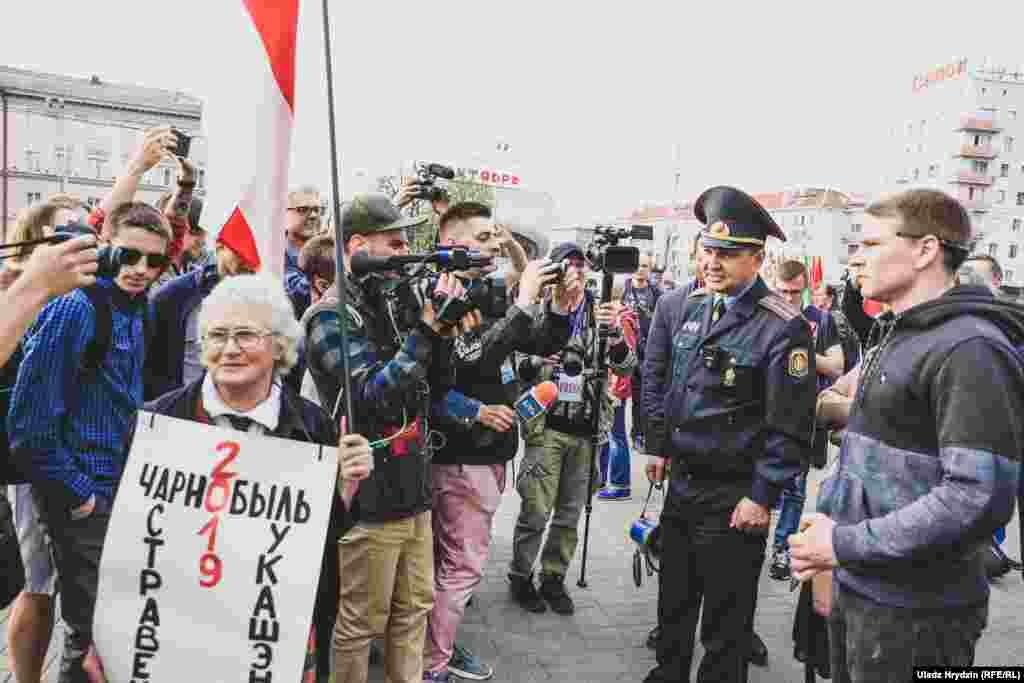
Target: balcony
x=971 y=178
x=976 y=123
x=977 y=152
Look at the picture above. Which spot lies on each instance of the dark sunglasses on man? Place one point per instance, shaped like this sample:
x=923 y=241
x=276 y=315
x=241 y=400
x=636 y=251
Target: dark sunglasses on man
x=129 y=257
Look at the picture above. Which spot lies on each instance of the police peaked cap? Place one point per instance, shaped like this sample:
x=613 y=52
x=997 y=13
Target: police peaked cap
x=733 y=219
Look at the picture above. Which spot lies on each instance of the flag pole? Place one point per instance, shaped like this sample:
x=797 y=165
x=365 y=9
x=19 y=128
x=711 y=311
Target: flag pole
x=341 y=279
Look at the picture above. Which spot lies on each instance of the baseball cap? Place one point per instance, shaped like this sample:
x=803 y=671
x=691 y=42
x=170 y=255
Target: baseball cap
x=370 y=213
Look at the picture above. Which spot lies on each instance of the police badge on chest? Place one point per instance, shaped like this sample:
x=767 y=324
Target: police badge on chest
x=722 y=363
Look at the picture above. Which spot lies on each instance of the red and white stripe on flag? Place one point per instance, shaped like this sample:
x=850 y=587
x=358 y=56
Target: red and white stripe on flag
x=247 y=119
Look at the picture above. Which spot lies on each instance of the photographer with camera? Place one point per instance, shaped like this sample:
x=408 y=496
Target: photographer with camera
x=395 y=341
x=559 y=458
x=74 y=403
x=469 y=470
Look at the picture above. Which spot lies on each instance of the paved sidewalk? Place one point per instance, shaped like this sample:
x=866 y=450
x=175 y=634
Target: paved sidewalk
x=604 y=640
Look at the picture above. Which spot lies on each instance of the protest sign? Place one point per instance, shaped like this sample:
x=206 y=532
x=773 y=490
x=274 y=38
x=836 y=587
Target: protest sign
x=212 y=557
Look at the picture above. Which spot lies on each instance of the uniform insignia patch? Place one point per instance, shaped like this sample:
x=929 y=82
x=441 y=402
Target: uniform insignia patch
x=729 y=379
x=719 y=229
x=798 y=365
x=692 y=326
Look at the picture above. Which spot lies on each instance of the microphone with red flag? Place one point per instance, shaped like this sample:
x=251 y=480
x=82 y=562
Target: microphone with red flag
x=536 y=401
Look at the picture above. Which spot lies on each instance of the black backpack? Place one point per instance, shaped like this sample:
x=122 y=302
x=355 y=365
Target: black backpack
x=95 y=353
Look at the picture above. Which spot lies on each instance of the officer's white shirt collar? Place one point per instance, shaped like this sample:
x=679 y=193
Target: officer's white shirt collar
x=265 y=413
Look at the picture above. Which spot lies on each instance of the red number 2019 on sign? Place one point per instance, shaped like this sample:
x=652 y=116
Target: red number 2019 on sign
x=217 y=495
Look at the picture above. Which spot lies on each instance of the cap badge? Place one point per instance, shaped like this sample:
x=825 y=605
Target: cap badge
x=798 y=363
x=719 y=229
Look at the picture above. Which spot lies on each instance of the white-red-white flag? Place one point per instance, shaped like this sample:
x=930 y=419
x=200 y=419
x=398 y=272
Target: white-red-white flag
x=248 y=118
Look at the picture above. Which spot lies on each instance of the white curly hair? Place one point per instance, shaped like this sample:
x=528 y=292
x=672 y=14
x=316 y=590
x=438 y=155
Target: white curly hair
x=259 y=290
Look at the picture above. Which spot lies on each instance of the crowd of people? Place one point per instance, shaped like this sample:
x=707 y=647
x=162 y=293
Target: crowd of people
x=735 y=389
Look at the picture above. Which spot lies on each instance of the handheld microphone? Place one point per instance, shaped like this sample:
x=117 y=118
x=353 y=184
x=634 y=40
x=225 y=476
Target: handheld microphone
x=536 y=401
x=448 y=258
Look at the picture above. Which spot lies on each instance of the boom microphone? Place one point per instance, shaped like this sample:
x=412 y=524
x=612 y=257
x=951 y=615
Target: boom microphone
x=455 y=258
x=536 y=401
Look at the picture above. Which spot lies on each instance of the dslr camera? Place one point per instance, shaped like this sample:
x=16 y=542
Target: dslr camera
x=426 y=178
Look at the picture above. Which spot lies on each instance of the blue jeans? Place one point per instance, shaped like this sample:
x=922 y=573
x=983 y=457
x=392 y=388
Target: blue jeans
x=615 y=454
x=793 y=495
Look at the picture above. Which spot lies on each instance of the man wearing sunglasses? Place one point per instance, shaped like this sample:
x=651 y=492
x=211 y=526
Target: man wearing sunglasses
x=301 y=224
x=68 y=422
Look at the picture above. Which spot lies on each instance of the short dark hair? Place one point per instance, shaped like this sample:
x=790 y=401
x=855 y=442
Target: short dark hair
x=930 y=212
x=464 y=211
x=317 y=258
x=830 y=291
x=997 y=270
x=139 y=215
x=791 y=270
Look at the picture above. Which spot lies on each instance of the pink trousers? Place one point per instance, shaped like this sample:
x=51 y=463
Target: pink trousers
x=465 y=500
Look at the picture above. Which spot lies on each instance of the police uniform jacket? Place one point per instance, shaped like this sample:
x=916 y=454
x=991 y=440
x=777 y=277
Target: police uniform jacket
x=732 y=404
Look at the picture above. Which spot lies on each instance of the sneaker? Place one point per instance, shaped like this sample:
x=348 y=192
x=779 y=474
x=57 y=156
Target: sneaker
x=552 y=589
x=437 y=677
x=467 y=665
x=524 y=592
x=613 y=494
x=779 y=569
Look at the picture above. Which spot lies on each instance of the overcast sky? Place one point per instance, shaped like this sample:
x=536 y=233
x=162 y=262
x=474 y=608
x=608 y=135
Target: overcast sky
x=592 y=100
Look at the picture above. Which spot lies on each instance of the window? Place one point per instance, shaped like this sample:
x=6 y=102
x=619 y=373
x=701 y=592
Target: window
x=59 y=161
x=980 y=166
x=167 y=176
x=34 y=197
x=984 y=91
x=993 y=249
x=32 y=161
x=1020 y=199
x=1007 y=276
x=202 y=177
x=1013 y=113
x=1004 y=171
x=1008 y=144
x=1002 y=197
x=1015 y=225
x=856 y=227
x=1004 y=92
x=917 y=174
x=971 y=192
x=932 y=170
x=93 y=202
x=1013 y=251
x=97 y=167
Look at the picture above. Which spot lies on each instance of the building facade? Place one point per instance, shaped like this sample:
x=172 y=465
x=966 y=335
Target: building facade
x=962 y=133
x=77 y=135
x=817 y=221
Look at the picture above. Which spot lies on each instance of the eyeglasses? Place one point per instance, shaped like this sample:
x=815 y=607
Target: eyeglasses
x=247 y=339
x=306 y=210
x=130 y=257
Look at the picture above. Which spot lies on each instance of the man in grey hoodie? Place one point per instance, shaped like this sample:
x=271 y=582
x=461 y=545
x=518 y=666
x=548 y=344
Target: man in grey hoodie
x=930 y=463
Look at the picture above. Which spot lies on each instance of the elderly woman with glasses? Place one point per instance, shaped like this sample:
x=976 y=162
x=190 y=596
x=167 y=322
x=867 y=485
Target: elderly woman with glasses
x=249 y=340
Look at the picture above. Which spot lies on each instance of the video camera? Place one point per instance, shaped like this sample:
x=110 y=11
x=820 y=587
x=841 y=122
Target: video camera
x=605 y=254
x=489 y=297
x=426 y=179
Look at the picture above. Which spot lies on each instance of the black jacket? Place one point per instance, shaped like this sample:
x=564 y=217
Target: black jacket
x=476 y=361
x=300 y=420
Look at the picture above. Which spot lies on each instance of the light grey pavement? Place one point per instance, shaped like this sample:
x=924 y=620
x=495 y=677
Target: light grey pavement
x=604 y=640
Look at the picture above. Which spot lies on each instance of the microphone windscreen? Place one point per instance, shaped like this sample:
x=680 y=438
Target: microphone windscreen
x=546 y=393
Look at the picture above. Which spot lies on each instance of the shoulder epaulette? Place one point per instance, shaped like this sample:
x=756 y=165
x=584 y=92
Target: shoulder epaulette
x=780 y=307
x=698 y=292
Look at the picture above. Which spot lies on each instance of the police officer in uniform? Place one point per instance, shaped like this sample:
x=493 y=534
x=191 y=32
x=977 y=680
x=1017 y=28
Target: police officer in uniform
x=729 y=390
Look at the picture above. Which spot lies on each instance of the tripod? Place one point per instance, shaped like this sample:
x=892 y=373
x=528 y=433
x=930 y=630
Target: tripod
x=599 y=381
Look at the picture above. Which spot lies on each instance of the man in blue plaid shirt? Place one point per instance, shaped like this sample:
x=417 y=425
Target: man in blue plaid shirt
x=68 y=428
